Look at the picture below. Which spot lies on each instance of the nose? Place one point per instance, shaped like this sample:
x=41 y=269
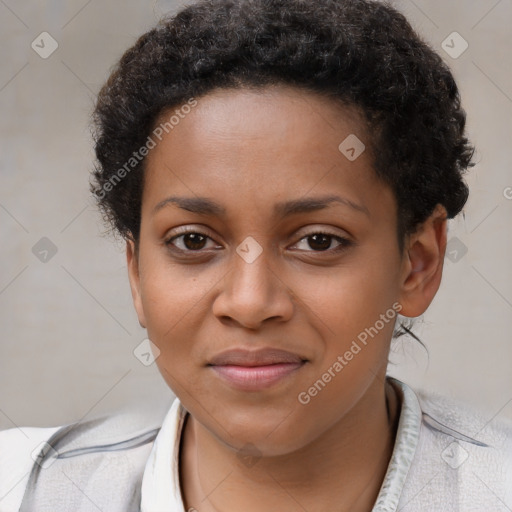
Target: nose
x=253 y=293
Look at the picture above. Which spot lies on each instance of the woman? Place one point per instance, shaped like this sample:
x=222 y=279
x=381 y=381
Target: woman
x=282 y=173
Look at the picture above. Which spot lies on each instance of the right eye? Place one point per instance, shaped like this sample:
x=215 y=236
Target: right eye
x=189 y=241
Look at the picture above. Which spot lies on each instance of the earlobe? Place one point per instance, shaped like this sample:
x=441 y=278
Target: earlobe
x=423 y=264
x=132 y=261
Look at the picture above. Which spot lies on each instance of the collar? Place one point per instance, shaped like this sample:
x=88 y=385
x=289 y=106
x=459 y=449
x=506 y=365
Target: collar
x=161 y=487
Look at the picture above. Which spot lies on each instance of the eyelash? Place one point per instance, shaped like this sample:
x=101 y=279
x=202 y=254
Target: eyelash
x=344 y=243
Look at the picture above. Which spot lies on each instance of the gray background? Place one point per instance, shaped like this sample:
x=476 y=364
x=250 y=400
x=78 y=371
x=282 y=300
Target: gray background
x=68 y=325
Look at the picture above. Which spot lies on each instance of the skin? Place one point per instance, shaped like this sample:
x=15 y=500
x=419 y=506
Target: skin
x=248 y=150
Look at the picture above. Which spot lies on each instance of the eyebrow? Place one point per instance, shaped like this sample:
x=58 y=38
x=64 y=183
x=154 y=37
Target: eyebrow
x=206 y=206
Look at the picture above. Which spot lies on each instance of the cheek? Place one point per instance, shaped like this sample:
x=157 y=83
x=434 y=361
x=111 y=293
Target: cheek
x=353 y=326
x=352 y=311
x=348 y=298
x=171 y=304
x=172 y=297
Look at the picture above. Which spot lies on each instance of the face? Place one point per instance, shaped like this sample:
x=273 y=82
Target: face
x=265 y=254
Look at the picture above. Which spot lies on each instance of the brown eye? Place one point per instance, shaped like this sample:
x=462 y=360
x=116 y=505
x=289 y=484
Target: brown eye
x=190 y=241
x=194 y=241
x=321 y=242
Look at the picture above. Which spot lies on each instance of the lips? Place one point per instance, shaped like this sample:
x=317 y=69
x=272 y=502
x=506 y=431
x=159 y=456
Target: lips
x=255 y=370
x=262 y=357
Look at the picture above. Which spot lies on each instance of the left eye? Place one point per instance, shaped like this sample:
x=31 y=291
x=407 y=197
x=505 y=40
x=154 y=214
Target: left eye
x=320 y=242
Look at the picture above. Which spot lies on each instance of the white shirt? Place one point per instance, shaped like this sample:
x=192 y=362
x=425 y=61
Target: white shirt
x=18 y=450
x=433 y=466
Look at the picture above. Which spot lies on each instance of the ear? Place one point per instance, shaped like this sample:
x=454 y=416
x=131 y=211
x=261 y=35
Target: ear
x=132 y=260
x=423 y=261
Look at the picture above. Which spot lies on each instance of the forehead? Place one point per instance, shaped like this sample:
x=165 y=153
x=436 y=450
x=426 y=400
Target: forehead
x=262 y=146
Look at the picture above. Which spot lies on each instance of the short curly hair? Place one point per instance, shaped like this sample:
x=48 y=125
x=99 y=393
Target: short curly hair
x=362 y=53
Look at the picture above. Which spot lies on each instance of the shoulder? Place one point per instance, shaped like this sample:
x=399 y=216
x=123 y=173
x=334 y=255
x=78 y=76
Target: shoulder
x=489 y=428
x=19 y=449
x=463 y=458
x=112 y=447
x=487 y=434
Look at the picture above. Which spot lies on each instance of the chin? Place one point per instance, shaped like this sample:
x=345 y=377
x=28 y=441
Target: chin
x=268 y=435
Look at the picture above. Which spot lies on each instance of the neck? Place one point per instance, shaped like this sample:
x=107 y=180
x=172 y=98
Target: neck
x=341 y=470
